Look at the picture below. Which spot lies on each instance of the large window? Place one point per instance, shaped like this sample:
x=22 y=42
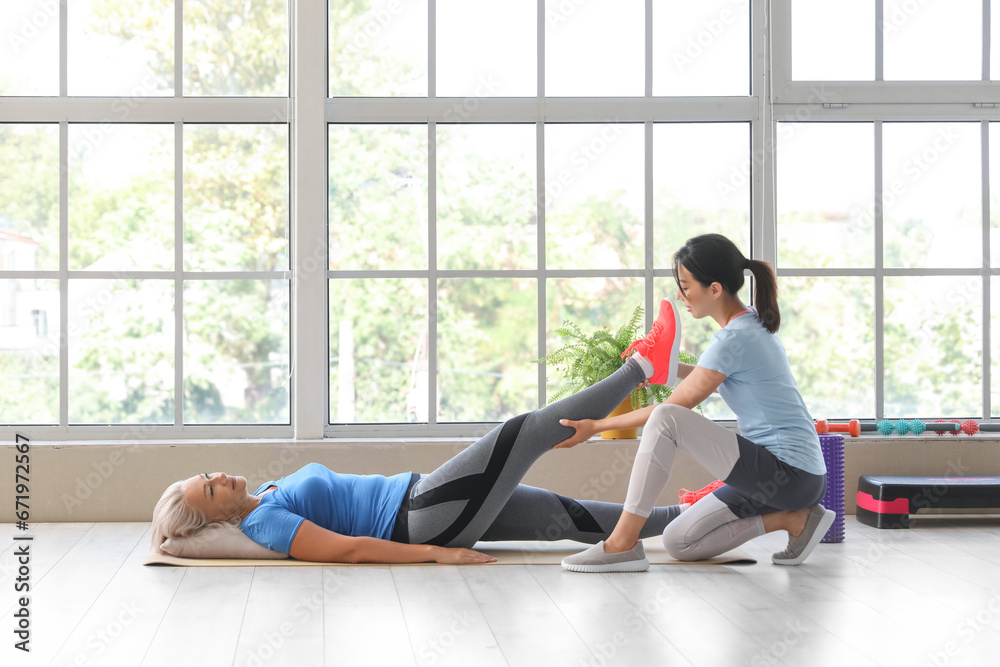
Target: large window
x=884 y=199
x=465 y=226
x=144 y=235
x=198 y=239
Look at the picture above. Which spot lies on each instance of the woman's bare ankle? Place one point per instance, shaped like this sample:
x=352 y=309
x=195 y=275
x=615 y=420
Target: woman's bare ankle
x=613 y=546
x=797 y=522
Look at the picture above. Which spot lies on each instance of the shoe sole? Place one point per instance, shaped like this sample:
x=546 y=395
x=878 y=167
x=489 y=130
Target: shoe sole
x=821 y=528
x=627 y=566
x=669 y=378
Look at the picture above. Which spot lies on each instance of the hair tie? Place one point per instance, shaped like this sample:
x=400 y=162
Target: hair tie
x=746 y=264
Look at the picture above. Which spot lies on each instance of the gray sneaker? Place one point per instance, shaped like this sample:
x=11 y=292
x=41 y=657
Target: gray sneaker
x=595 y=559
x=799 y=548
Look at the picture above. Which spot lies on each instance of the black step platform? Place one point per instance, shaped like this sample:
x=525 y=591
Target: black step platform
x=888 y=501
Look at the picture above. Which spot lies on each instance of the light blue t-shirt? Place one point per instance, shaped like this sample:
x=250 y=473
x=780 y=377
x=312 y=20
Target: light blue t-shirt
x=760 y=389
x=355 y=505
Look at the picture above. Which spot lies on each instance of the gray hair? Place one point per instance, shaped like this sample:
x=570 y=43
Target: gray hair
x=173 y=517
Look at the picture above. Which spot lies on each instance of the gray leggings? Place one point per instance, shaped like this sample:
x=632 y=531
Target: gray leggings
x=757 y=483
x=477 y=494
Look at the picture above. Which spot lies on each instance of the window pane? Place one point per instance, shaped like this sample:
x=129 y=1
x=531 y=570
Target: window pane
x=931 y=193
x=29 y=197
x=121 y=47
x=235 y=197
x=933 y=40
x=994 y=347
x=486 y=202
x=589 y=303
x=378 y=351
x=29 y=51
x=994 y=139
x=836 y=378
x=236 y=48
x=695 y=335
x=826 y=195
x=594 y=196
x=994 y=31
x=474 y=54
x=121 y=197
x=29 y=350
x=701 y=184
x=378 y=197
x=121 y=351
x=487 y=345
x=701 y=48
x=833 y=41
x=595 y=48
x=378 y=48
x=933 y=347
x=236 y=341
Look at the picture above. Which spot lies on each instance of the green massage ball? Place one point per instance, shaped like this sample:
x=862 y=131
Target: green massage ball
x=902 y=427
x=885 y=427
x=917 y=427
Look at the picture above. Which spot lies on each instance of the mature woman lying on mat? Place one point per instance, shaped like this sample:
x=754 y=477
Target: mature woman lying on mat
x=317 y=515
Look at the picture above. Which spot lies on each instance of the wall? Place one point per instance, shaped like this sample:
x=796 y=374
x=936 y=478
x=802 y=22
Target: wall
x=112 y=481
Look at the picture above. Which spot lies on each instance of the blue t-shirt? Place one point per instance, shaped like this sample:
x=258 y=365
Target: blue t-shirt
x=760 y=389
x=355 y=505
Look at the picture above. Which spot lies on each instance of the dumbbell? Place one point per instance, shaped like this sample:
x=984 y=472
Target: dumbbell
x=853 y=427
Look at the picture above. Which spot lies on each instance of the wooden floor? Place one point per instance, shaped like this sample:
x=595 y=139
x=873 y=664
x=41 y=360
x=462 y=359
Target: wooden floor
x=925 y=596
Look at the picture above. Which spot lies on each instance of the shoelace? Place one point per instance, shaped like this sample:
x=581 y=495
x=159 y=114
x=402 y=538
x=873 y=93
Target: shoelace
x=650 y=338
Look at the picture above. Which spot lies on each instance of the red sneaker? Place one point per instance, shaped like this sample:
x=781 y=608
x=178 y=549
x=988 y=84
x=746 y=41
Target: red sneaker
x=661 y=346
x=691 y=497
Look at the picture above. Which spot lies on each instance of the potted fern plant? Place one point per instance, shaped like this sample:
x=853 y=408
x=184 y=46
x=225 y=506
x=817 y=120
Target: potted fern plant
x=590 y=357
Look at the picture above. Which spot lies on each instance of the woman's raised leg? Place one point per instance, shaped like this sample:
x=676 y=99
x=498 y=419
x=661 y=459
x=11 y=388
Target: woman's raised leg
x=457 y=503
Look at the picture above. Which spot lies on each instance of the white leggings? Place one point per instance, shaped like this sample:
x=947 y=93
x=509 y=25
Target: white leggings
x=757 y=483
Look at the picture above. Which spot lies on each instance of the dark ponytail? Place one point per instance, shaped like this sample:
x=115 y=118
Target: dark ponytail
x=713 y=258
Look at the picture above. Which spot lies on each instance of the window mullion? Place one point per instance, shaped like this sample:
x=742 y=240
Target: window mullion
x=178 y=48
x=178 y=273
x=879 y=280
x=310 y=341
x=540 y=254
x=987 y=279
x=432 y=277
x=986 y=40
x=879 y=41
x=64 y=270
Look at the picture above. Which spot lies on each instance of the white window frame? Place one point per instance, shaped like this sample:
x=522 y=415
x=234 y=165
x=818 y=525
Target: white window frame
x=880 y=101
x=542 y=110
x=178 y=111
x=308 y=112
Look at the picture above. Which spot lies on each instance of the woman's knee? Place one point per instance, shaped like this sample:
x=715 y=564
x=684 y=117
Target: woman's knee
x=678 y=546
x=664 y=418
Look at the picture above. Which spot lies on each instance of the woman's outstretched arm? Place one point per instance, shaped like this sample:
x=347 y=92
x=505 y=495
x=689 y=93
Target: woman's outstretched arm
x=315 y=543
x=696 y=387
